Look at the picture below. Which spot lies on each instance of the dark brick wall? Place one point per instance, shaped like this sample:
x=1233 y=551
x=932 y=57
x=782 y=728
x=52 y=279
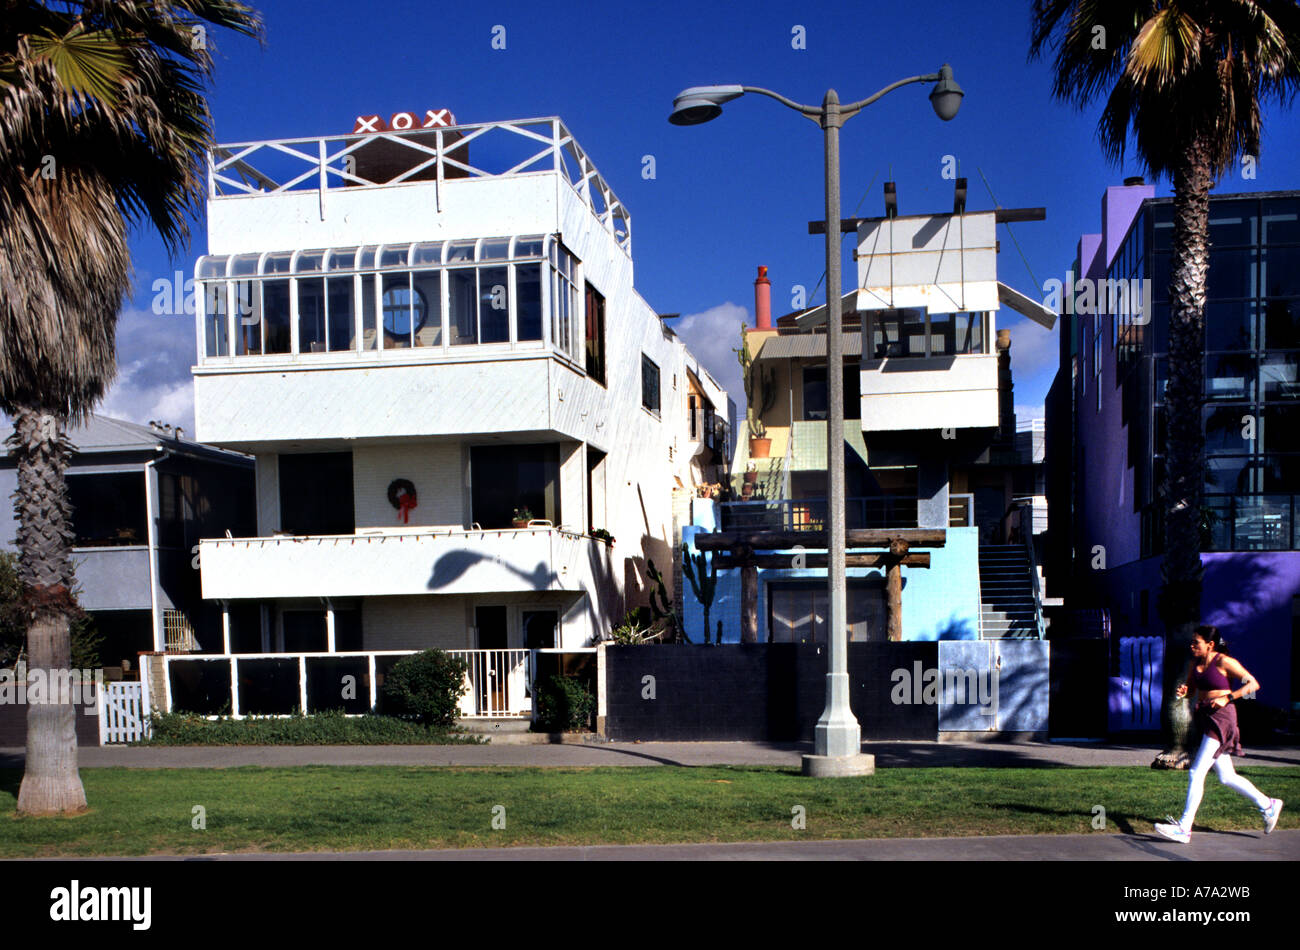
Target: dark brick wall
x=13 y=726
x=773 y=692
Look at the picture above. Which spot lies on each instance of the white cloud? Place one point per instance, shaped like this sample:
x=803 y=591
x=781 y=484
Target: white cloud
x=154 y=356
x=712 y=335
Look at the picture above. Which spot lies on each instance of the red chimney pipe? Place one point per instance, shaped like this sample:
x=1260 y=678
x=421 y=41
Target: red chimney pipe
x=762 y=300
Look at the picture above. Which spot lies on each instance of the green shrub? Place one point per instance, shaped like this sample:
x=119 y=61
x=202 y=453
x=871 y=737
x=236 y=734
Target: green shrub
x=426 y=687
x=564 y=704
x=324 y=728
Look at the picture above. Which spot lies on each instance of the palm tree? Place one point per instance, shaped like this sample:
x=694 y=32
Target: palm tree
x=1186 y=78
x=103 y=124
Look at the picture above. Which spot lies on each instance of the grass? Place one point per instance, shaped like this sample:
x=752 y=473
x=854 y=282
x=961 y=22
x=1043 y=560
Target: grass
x=144 y=811
x=324 y=728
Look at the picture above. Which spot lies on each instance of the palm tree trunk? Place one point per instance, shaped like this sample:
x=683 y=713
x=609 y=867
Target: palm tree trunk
x=1184 y=483
x=51 y=783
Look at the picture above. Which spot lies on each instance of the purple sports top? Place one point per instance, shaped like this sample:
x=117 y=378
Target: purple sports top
x=1210 y=678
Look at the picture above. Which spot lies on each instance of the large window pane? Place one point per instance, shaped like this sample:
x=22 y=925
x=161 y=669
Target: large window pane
x=528 y=284
x=1232 y=222
x=369 y=333
x=1280 y=429
x=1224 y=430
x=428 y=288
x=248 y=316
x=275 y=314
x=509 y=478
x=1279 y=377
x=108 y=510
x=1230 y=376
x=815 y=402
x=311 y=315
x=462 y=313
x=1281 y=219
x=1282 y=324
x=342 y=325
x=216 y=327
x=1228 y=326
x=399 y=309
x=316 y=493
x=898 y=333
x=1232 y=273
x=1281 y=271
x=494 y=304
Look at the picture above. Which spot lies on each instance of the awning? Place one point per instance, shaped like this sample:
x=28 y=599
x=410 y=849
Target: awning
x=802 y=345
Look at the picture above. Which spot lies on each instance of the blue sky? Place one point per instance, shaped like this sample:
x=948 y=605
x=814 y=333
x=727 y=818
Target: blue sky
x=726 y=196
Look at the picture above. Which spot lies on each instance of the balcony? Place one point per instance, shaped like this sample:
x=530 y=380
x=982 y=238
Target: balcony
x=809 y=514
x=455 y=181
x=378 y=562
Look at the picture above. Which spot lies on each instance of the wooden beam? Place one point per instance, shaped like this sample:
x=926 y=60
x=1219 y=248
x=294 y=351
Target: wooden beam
x=1000 y=216
x=856 y=538
x=894 y=601
x=818 y=561
x=748 y=597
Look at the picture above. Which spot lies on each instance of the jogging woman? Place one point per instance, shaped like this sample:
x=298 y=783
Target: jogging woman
x=1217 y=718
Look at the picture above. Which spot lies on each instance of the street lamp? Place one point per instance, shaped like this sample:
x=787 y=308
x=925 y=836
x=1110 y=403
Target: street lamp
x=837 y=738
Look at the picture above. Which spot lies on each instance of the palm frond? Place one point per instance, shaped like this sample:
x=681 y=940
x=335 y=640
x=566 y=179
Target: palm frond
x=90 y=64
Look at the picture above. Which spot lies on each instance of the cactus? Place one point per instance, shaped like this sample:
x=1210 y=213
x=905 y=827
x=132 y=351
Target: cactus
x=702 y=585
x=660 y=590
x=763 y=382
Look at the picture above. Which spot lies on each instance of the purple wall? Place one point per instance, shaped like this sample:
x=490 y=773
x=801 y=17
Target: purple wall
x=1248 y=595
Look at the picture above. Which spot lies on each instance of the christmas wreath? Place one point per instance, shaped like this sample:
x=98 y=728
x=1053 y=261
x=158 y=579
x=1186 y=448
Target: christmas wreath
x=401 y=495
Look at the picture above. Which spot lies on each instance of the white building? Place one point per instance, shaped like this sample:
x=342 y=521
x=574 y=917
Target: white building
x=431 y=343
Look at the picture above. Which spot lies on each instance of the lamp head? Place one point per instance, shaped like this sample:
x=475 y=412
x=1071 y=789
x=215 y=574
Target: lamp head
x=699 y=104
x=946 y=95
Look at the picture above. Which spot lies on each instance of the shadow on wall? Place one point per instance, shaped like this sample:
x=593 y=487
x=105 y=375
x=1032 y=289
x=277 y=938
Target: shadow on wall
x=453 y=565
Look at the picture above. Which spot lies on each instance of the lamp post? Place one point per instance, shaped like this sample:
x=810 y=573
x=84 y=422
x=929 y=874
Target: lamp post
x=837 y=745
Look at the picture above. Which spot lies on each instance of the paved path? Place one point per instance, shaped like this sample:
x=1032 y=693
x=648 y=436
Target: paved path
x=1283 y=845
x=888 y=755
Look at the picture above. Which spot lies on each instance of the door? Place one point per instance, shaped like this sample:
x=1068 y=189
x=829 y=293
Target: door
x=486 y=675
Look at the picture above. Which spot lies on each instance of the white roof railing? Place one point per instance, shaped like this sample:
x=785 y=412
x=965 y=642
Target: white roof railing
x=438 y=155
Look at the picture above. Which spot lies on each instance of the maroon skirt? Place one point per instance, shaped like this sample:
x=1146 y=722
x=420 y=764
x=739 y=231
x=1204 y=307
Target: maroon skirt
x=1220 y=724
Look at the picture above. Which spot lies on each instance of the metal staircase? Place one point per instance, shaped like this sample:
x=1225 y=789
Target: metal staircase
x=1009 y=607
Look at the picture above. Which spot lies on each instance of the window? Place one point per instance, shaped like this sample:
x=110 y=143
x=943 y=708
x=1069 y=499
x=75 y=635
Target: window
x=395 y=297
x=316 y=493
x=108 y=510
x=798 y=611
x=509 y=478
x=816 y=399
x=914 y=332
x=215 y=327
x=693 y=416
x=649 y=384
x=596 y=335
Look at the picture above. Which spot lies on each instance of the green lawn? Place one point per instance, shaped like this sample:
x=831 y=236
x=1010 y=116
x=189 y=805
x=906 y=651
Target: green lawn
x=139 y=811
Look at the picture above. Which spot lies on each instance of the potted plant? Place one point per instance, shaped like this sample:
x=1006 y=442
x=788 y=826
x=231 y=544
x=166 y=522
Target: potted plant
x=521 y=517
x=751 y=474
x=760 y=397
x=600 y=534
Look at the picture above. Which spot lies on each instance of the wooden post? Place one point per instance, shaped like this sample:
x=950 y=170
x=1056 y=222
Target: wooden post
x=894 y=589
x=748 y=594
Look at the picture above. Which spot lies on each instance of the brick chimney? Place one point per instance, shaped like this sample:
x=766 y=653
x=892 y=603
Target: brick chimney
x=762 y=300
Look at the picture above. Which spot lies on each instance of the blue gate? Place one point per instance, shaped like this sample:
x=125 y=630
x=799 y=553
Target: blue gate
x=1135 y=694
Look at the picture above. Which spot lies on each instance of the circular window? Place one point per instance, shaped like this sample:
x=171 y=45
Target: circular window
x=398 y=310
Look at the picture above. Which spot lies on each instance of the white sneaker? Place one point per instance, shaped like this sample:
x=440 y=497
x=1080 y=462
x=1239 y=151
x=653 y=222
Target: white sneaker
x=1271 y=814
x=1173 y=830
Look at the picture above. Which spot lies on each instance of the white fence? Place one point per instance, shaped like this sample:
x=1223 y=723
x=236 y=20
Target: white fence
x=500 y=682
x=123 y=713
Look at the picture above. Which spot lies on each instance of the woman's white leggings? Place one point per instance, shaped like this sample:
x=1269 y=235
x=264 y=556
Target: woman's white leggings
x=1227 y=776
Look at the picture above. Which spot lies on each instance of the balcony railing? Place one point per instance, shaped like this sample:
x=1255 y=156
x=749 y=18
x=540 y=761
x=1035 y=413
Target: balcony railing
x=499 y=149
x=809 y=514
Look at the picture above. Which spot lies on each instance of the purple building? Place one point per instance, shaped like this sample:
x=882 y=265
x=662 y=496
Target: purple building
x=1106 y=427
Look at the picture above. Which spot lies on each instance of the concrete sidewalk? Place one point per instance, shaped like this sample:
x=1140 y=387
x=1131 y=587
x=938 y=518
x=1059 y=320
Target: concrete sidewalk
x=1101 y=846
x=888 y=755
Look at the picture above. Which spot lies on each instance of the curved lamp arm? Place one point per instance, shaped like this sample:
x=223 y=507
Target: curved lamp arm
x=847 y=110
